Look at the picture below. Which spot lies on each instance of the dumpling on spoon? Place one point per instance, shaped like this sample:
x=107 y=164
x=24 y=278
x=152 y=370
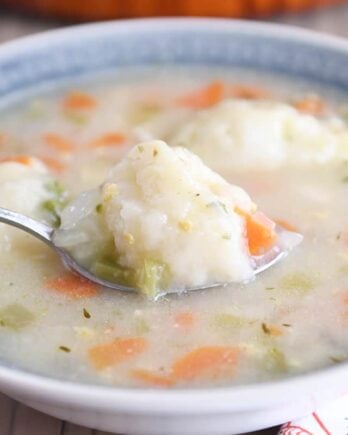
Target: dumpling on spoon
x=163 y=221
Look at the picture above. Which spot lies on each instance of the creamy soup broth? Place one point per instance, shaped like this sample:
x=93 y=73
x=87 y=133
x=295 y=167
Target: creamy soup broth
x=291 y=319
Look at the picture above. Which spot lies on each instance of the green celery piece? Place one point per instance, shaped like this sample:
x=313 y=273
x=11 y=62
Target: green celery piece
x=153 y=277
x=55 y=204
x=297 y=282
x=275 y=360
x=344 y=269
x=112 y=272
x=16 y=317
x=56 y=188
x=144 y=113
x=141 y=326
x=229 y=321
x=76 y=118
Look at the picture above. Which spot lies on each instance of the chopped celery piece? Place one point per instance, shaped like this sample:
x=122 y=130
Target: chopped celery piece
x=51 y=206
x=55 y=187
x=230 y=321
x=344 y=269
x=112 y=272
x=276 y=361
x=144 y=113
x=16 y=317
x=35 y=110
x=153 y=277
x=297 y=283
x=338 y=359
x=75 y=118
x=55 y=204
x=150 y=279
x=141 y=326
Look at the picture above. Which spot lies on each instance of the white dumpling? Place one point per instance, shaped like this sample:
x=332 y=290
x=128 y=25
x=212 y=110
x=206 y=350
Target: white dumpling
x=244 y=134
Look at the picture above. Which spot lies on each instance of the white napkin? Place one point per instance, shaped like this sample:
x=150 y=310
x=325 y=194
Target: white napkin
x=331 y=419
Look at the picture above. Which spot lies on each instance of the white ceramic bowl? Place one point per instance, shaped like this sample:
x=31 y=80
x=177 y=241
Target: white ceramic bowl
x=86 y=49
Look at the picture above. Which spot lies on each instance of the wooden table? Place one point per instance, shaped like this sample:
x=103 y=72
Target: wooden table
x=17 y=419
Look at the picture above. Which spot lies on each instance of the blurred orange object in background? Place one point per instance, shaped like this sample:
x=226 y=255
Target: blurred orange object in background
x=86 y=10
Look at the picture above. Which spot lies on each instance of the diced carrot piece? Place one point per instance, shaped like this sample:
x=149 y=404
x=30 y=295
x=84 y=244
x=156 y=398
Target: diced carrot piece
x=24 y=160
x=184 y=319
x=58 y=142
x=204 y=97
x=248 y=92
x=54 y=164
x=287 y=225
x=151 y=378
x=73 y=286
x=116 y=351
x=109 y=139
x=79 y=100
x=312 y=105
x=260 y=231
x=203 y=361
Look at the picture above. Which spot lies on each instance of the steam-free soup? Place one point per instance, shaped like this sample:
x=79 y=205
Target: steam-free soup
x=286 y=145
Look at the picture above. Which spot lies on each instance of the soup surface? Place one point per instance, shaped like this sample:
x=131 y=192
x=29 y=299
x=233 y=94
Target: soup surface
x=291 y=319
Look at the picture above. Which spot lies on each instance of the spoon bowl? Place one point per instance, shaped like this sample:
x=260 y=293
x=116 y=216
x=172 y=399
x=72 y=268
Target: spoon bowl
x=287 y=240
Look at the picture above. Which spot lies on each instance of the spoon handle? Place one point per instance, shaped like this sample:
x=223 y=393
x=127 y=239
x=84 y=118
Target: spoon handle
x=27 y=224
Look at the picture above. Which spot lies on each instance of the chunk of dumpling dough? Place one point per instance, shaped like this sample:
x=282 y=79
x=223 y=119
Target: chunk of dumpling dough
x=167 y=213
x=243 y=134
x=24 y=187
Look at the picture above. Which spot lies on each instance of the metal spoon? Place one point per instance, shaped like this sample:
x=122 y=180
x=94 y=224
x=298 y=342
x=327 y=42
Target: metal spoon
x=45 y=233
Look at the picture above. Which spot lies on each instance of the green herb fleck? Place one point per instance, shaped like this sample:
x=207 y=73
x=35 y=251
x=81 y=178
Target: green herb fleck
x=265 y=328
x=287 y=325
x=269 y=288
x=65 y=349
x=345 y=179
x=226 y=237
x=86 y=313
x=338 y=237
x=99 y=208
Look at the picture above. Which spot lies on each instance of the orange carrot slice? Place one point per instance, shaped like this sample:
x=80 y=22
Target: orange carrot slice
x=58 y=142
x=204 y=97
x=203 y=361
x=184 y=319
x=116 y=351
x=287 y=225
x=260 y=231
x=312 y=105
x=24 y=160
x=152 y=379
x=79 y=100
x=53 y=164
x=248 y=92
x=109 y=139
x=73 y=286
